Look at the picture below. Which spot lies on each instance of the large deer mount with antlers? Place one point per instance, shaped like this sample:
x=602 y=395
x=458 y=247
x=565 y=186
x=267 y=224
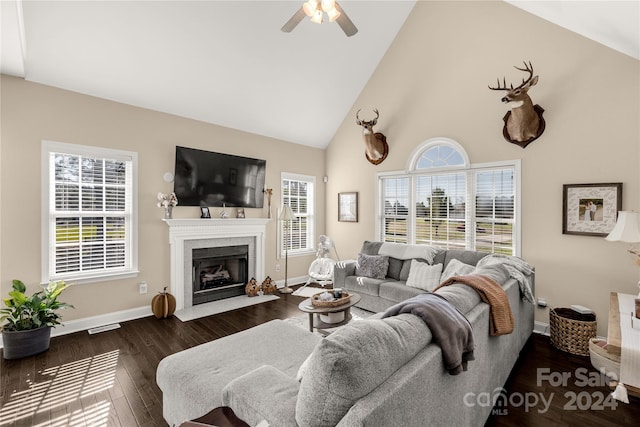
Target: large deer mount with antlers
x=375 y=143
x=524 y=123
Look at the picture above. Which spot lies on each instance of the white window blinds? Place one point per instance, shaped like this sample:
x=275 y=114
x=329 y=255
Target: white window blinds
x=89 y=208
x=298 y=191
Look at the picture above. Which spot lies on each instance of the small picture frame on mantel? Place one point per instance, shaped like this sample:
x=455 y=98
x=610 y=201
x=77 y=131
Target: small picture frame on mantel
x=205 y=212
x=590 y=209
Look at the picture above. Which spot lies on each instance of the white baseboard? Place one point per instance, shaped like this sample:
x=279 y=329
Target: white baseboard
x=292 y=281
x=541 y=328
x=86 y=323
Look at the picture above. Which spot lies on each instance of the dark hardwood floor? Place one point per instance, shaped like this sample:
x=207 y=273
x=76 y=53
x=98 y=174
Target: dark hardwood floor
x=108 y=379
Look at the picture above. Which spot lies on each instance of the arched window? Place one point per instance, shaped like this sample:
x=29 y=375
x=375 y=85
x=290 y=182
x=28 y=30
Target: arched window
x=438 y=153
x=444 y=200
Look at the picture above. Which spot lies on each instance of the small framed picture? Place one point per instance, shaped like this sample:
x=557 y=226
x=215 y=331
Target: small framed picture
x=590 y=209
x=348 y=207
x=205 y=212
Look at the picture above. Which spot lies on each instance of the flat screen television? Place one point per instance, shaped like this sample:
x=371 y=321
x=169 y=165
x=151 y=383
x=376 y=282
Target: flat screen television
x=205 y=178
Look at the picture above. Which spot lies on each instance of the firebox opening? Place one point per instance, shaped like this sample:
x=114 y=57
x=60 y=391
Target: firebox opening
x=219 y=272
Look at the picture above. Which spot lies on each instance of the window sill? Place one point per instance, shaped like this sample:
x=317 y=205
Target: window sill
x=82 y=280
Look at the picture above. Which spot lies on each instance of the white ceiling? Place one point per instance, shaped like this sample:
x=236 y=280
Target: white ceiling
x=228 y=63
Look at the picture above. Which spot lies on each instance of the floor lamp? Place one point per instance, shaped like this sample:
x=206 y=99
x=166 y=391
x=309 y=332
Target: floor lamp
x=286 y=216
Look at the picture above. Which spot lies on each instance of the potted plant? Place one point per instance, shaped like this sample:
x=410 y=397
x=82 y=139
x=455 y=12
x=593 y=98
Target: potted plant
x=27 y=321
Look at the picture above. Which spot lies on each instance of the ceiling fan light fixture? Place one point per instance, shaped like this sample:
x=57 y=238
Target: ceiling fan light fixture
x=333 y=14
x=317 y=17
x=310 y=7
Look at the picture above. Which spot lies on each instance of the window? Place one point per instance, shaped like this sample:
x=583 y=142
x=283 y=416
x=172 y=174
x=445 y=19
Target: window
x=88 y=227
x=446 y=201
x=298 y=191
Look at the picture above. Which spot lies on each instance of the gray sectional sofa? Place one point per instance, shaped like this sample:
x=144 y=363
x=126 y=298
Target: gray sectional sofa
x=378 y=294
x=382 y=372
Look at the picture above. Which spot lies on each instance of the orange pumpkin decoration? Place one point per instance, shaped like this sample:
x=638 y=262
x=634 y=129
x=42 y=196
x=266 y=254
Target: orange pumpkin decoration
x=163 y=305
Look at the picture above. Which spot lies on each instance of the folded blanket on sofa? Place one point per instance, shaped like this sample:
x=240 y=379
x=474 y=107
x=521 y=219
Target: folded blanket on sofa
x=404 y=251
x=450 y=329
x=518 y=269
x=500 y=315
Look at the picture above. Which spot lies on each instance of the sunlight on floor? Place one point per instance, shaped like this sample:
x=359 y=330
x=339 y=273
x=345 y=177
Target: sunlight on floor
x=66 y=396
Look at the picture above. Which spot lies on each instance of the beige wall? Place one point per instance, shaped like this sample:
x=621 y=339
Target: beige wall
x=433 y=82
x=32 y=113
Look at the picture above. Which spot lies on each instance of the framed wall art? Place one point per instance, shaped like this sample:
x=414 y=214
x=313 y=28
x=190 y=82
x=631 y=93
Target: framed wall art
x=348 y=207
x=590 y=209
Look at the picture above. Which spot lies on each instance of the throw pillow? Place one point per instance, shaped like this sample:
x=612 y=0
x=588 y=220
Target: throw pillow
x=497 y=272
x=424 y=276
x=456 y=268
x=373 y=266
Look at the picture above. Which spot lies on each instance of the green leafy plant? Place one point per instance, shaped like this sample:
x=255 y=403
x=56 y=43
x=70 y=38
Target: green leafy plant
x=22 y=313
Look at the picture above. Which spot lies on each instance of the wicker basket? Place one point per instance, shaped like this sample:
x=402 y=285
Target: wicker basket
x=316 y=302
x=603 y=360
x=571 y=331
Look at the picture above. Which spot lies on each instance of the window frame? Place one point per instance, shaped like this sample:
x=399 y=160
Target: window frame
x=470 y=170
x=311 y=215
x=48 y=228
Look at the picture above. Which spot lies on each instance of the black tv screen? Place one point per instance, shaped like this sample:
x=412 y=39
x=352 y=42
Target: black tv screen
x=205 y=178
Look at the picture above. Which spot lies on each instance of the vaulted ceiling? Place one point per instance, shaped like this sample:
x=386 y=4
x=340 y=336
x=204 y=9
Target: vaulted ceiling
x=228 y=63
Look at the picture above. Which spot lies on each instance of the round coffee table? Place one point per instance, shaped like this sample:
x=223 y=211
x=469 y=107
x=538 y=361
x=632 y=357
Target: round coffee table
x=316 y=323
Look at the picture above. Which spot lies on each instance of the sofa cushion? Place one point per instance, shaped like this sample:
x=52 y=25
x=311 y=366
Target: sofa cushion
x=424 y=276
x=370 y=248
x=496 y=272
x=395 y=268
x=364 y=285
x=456 y=268
x=467 y=257
x=352 y=362
x=373 y=266
x=397 y=291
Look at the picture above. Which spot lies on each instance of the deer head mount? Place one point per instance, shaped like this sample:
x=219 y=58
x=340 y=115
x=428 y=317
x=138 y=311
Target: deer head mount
x=375 y=143
x=523 y=123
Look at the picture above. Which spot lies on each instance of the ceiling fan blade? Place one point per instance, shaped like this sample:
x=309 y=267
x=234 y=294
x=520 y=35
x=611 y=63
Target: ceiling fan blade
x=295 y=20
x=345 y=23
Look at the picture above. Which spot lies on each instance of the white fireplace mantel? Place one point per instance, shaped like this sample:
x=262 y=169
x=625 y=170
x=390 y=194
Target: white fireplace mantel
x=186 y=230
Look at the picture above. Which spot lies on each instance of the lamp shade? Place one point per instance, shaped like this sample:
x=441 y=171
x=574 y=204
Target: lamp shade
x=626 y=229
x=286 y=214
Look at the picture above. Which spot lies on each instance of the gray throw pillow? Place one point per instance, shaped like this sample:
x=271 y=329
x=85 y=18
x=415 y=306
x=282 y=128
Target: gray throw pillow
x=373 y=266
x=456 y=268
x=496 y=272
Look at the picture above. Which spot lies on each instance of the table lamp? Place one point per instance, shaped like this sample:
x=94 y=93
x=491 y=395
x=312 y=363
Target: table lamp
x=627 y=229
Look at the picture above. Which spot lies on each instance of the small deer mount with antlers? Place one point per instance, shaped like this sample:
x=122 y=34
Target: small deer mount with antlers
x=523 y=124
x=375 y=143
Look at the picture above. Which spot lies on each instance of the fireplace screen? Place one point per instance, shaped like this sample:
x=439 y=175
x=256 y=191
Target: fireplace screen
x=219 y=272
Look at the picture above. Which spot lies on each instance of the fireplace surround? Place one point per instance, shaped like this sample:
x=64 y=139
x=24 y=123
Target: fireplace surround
x=188 y=234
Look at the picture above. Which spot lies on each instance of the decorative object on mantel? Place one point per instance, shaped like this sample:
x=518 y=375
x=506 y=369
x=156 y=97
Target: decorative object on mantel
x=627 y=230
x=163 y=305
x=268 y=192
x=167 y=201
x=590 y=209
x=286 y=216
x=240 y=213
x=523 y=124
x=375 y=143
x=224 y=214
x=268 y=286
x=205 y=212
x=252 y=288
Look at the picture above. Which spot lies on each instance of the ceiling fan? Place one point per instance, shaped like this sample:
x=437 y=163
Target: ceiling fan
x=315 y=10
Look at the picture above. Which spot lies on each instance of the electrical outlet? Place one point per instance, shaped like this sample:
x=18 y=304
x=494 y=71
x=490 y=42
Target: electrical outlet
x=143 y=288
x=277 y=267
